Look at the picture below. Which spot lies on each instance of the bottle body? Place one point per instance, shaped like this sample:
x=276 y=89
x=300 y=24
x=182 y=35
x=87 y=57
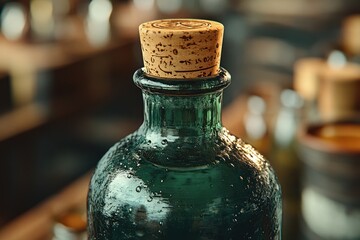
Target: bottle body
x=181 y=175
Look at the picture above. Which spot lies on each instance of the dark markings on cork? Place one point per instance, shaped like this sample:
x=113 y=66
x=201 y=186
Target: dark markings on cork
x=162 y=56
x=186 y=62
x=217 y=45
x=208 y=59
x=167 y=72
x=175 y=51
x=170 y=35
x=194 y=70
x=186 y=38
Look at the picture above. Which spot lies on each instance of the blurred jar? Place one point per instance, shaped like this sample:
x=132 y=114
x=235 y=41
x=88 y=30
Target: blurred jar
x=70 y=225
x=331 y=182
x=284 y=158
x=338 y=95
x=329 y=89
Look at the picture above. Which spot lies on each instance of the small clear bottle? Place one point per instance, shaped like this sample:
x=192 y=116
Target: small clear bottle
x=182 y=175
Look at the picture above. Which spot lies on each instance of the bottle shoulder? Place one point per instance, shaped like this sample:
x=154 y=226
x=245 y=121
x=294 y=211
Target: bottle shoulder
x=225 y=161
x=185 y=153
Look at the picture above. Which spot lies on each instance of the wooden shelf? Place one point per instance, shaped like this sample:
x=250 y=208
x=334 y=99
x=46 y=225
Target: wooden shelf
x=37 y=223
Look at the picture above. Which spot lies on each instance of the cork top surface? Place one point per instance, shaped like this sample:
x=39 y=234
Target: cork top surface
x=181 y=48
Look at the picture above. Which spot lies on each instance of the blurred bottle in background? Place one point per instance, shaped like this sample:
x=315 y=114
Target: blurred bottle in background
x=283 y=155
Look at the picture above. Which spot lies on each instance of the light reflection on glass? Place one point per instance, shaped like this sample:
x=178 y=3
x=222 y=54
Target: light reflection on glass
x=128 y=189
x=169 y=6
x=13 y=21
x=287 y=119
x=336 y=59
x=329 y=218
x=255 y=124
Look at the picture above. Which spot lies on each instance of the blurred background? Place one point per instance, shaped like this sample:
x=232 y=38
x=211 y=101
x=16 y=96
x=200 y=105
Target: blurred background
x=66 y=96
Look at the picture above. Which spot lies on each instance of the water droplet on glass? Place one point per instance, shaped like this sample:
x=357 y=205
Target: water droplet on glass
x=138 y=189
x=164 y=142
x=128 y=175
x=130 y=209
x=161 y=223
x=150 y=199
x=162 y=180
x=149 y=141
x=241 y=178
x=231 y=185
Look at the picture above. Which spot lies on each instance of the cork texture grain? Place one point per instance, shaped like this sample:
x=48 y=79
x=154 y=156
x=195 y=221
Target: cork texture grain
x=181 y=48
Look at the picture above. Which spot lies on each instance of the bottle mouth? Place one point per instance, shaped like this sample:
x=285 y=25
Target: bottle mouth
x=183 y=86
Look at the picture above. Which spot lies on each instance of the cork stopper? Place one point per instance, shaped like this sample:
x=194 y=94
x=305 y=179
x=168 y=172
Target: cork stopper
x=181 y=48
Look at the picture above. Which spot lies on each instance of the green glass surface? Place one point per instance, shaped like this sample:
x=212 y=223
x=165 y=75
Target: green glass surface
x=182 y=175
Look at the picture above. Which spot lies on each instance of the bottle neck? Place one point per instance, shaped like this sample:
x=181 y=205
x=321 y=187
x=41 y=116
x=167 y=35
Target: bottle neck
x=182 y=115
x=182 y=107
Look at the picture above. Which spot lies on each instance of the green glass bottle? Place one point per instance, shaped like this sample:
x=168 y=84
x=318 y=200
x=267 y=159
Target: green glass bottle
x=182 y=175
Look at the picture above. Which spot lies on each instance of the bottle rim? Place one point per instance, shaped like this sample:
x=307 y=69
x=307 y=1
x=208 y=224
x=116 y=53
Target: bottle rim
x=183 y=86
